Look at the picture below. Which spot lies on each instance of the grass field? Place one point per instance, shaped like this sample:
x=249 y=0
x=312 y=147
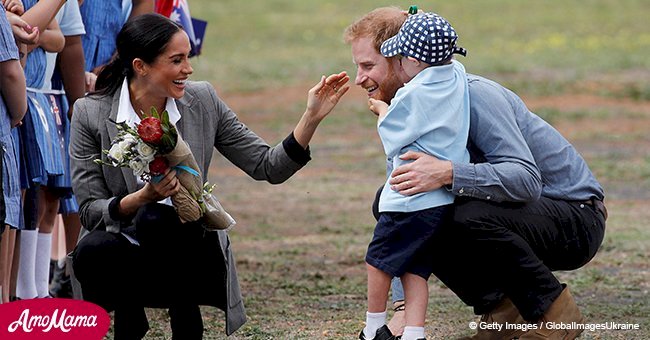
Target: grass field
x=582 y=65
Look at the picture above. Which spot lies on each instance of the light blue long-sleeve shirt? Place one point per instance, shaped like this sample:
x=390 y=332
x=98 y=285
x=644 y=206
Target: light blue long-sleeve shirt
x=429 y=114
x=515 y=155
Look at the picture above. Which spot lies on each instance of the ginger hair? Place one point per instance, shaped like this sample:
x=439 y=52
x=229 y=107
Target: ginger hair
x=380 y=24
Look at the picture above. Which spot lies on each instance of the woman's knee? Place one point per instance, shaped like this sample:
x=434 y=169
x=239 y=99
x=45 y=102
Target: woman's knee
x=154 y=213
x=100 y=253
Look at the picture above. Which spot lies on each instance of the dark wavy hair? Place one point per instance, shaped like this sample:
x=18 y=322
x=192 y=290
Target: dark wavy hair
x=146 y=37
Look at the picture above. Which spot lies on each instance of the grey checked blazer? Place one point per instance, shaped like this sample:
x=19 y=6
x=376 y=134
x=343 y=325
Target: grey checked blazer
x=206 y=123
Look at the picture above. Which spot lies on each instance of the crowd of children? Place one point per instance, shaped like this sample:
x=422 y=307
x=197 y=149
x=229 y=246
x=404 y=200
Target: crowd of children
x=50 y=52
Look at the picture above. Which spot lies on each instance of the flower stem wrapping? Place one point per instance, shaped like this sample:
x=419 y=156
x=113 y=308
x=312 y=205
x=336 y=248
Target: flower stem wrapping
x=192 y=202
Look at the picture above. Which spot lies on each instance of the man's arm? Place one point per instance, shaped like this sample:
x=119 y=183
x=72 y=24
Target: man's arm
x=507 y=170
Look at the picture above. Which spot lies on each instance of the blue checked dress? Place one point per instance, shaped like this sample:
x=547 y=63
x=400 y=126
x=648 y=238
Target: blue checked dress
x=103 y=20
x=10 y=177
x=60 y=105
x=40 y=143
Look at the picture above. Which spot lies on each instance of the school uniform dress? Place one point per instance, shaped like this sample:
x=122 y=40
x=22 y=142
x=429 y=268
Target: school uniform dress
x=103 y=19
x=41 y=151
x=71 y=24
x=10 y=174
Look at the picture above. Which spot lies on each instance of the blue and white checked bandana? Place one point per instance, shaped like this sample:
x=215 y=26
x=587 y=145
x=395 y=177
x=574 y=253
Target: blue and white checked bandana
x=427 y=37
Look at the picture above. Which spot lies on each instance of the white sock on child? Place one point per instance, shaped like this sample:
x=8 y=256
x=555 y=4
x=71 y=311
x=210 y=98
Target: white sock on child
x=25 y=286
x=374 y=321
x=42 y=266
x=413 y=333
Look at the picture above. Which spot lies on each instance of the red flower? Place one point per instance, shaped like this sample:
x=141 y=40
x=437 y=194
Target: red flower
x=150 y=130
x=158 y=165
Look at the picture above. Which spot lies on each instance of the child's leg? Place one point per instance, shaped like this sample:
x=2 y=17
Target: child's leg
x=378 y=285
x=4 y=245
x=6 y=285
x=417 y=298
x=48 y=210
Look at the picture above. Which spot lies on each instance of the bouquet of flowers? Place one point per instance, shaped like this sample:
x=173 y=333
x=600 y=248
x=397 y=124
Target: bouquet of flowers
x=152 y=147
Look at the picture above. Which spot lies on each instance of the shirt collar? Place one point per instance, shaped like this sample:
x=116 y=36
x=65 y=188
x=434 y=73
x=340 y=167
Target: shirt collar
x=438 y=74
x=126 y=113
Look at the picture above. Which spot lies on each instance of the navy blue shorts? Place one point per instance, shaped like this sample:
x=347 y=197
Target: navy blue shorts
x=402 y=241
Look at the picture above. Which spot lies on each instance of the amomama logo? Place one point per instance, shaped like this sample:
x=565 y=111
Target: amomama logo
x=53 y=319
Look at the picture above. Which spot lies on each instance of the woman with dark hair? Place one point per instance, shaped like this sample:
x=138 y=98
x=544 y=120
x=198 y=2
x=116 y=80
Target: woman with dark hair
x=130 y=241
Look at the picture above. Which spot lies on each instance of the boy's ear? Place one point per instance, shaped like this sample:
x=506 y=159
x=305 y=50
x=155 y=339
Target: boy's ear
x=416 y=61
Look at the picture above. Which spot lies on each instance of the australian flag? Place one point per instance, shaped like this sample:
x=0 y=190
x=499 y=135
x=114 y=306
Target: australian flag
x=179 y=11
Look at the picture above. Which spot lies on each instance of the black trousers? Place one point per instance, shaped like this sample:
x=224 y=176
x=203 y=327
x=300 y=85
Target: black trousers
x=165 y=270
x=493 y=250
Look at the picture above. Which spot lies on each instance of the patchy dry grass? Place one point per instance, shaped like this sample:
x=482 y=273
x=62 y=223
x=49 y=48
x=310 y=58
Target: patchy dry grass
x=300 y=245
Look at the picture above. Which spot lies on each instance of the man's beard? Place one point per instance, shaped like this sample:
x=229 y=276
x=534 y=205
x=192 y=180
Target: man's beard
x=389 y=86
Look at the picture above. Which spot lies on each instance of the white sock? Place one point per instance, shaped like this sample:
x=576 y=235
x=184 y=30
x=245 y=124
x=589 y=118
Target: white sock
x=42 y=267
x=374 y=321
x=25 y=286
x=413 y=333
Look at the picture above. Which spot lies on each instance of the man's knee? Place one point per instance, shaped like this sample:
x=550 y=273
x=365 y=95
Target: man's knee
x=469 y=214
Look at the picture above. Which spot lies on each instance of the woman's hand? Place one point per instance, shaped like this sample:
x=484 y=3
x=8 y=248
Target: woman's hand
x=150 y=193
x=321 y=100
x=166 y=187
x=326 y=94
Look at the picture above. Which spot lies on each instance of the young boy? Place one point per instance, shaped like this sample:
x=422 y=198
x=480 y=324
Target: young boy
x=429 y=114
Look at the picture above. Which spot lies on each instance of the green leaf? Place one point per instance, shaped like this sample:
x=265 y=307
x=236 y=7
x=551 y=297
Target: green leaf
x=154 y=112
x=167 y=144
x=165 y=118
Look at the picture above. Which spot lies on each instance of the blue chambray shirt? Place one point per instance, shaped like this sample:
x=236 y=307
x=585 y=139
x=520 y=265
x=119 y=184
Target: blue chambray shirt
x=429 y=114
x=515 y=155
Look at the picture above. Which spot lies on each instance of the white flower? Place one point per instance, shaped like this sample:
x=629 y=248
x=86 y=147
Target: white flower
x=145 y=151
x=125 y=146
x=129 y=138
x=139 y=166
x=116 y=153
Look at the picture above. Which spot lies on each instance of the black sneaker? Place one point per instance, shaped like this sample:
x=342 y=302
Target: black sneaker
x=382 y=334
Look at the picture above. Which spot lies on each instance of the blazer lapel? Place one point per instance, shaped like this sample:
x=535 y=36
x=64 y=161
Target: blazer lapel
x=127 y=173
x=191 y=129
